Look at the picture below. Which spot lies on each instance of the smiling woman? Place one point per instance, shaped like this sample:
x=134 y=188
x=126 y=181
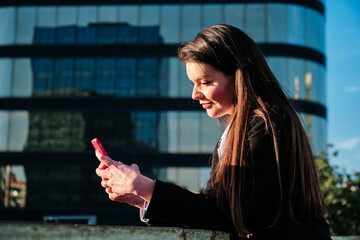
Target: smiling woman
x=263 y=181
x=211 y=88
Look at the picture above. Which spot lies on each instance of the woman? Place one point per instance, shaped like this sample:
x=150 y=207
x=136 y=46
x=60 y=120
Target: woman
x=263 y=181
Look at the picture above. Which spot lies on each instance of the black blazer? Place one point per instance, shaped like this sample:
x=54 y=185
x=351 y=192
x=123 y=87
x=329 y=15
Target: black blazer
x=172 y=205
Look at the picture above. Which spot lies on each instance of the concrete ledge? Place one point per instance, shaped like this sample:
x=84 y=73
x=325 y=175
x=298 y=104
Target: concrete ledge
x=346 y=238
x=57 y=231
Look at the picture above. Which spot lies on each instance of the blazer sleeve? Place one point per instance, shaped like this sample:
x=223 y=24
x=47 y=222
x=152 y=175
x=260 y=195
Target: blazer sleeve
x=179 y=207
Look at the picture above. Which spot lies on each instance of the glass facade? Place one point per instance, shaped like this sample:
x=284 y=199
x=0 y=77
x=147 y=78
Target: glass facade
x=155 y=131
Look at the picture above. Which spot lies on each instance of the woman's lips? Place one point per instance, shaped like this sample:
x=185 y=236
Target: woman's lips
x=206 y=105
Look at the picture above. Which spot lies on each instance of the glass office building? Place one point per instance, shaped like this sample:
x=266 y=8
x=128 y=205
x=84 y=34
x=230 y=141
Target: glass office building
x=70 y=72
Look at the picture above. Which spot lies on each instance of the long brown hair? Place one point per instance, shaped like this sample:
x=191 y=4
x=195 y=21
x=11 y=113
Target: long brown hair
x=257 y=92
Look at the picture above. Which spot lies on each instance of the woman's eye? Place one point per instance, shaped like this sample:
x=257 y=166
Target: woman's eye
x=205 y=82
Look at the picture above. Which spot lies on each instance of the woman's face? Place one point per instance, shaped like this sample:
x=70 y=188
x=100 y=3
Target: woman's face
x=212 y=88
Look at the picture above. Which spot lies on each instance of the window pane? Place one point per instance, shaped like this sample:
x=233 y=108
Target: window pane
x=296 y=78
x=66 y=16
x=84 y=76
x=129 y=15
x=189 y=132
x=108 y=14
x=255 y=21
x=185 y=87
x=45 y=27
x=235 y=15
x=64 y=77
x=212 y=14
x=5 y=76
x=314 y=30
x=210 y=131
x=319 y=134
x=25 y=25
x=66 y=35
x=190 y=22
x=146 y=130
x=87 y=15
x=22 y=81
x=277 y=23
x=170 y=23
x=7 y=30
x=278 y=66
x=315 y=85
x=18 y=130
x=147 y=77
x=296 y=25
x=105 y=76
x=149 y=15
x=43 y=76
x=174 y=77
x=4 y=130
x=46 y=17
x=126 y=77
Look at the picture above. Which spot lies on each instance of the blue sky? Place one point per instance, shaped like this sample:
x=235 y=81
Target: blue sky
x=343 y=82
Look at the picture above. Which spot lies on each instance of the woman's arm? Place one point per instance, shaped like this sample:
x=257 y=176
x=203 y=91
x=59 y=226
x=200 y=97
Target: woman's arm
x=178 y=206
x=170 y=205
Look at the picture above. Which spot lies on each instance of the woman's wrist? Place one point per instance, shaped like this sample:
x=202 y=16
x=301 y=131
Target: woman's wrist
x=144 y=187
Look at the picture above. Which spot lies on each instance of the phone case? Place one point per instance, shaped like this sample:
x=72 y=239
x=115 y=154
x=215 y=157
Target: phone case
x=97 y=145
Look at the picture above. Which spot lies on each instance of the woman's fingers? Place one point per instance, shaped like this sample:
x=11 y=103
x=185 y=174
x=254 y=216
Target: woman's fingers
x=105 y=174
x=135 y=167
x=103 y=183
x=105 y=159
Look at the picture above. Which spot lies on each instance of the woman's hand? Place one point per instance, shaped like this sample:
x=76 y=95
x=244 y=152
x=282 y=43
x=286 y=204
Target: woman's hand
x=130 y=199
x=123 y=181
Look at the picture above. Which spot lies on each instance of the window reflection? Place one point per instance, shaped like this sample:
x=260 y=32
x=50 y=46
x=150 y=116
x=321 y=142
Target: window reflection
x=170 y=23
x=66 y=16
x=296 y=25
x=147 y=77
x=6 y=66
x=255 y=22
x=191 y=22
x=277 y=23
x=46 y=17
x=149 y=15
x=26 y=18
x=13 y=186
x=129 y=14
x=122 y=77
x=146 y=130
x=70 y=131
x=84 y=74
x=126 y=77
x=105 y=76
x=293 y=74
x=108 y=14
x=314 y=30
x=86 y=15
x=235 y=15
x=296 y=78
x=43 y=76
x=213 y=14
x=264 y=22
x=7 y=19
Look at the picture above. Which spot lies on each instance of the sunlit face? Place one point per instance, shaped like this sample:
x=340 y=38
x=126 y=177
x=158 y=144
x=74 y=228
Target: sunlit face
x=212 y=88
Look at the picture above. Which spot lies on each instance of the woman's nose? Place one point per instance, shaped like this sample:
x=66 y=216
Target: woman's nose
x=196 y=95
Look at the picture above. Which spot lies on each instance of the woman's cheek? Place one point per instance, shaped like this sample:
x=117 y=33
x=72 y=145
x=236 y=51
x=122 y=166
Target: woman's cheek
x=215 y=95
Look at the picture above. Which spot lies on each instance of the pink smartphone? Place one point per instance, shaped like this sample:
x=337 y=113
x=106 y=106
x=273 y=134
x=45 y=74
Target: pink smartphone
x=97 y=145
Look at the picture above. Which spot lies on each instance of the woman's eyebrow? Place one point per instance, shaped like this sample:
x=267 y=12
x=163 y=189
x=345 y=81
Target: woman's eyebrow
x=202 y=77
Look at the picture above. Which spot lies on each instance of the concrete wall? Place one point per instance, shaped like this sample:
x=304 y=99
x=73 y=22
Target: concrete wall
x=56 y=231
